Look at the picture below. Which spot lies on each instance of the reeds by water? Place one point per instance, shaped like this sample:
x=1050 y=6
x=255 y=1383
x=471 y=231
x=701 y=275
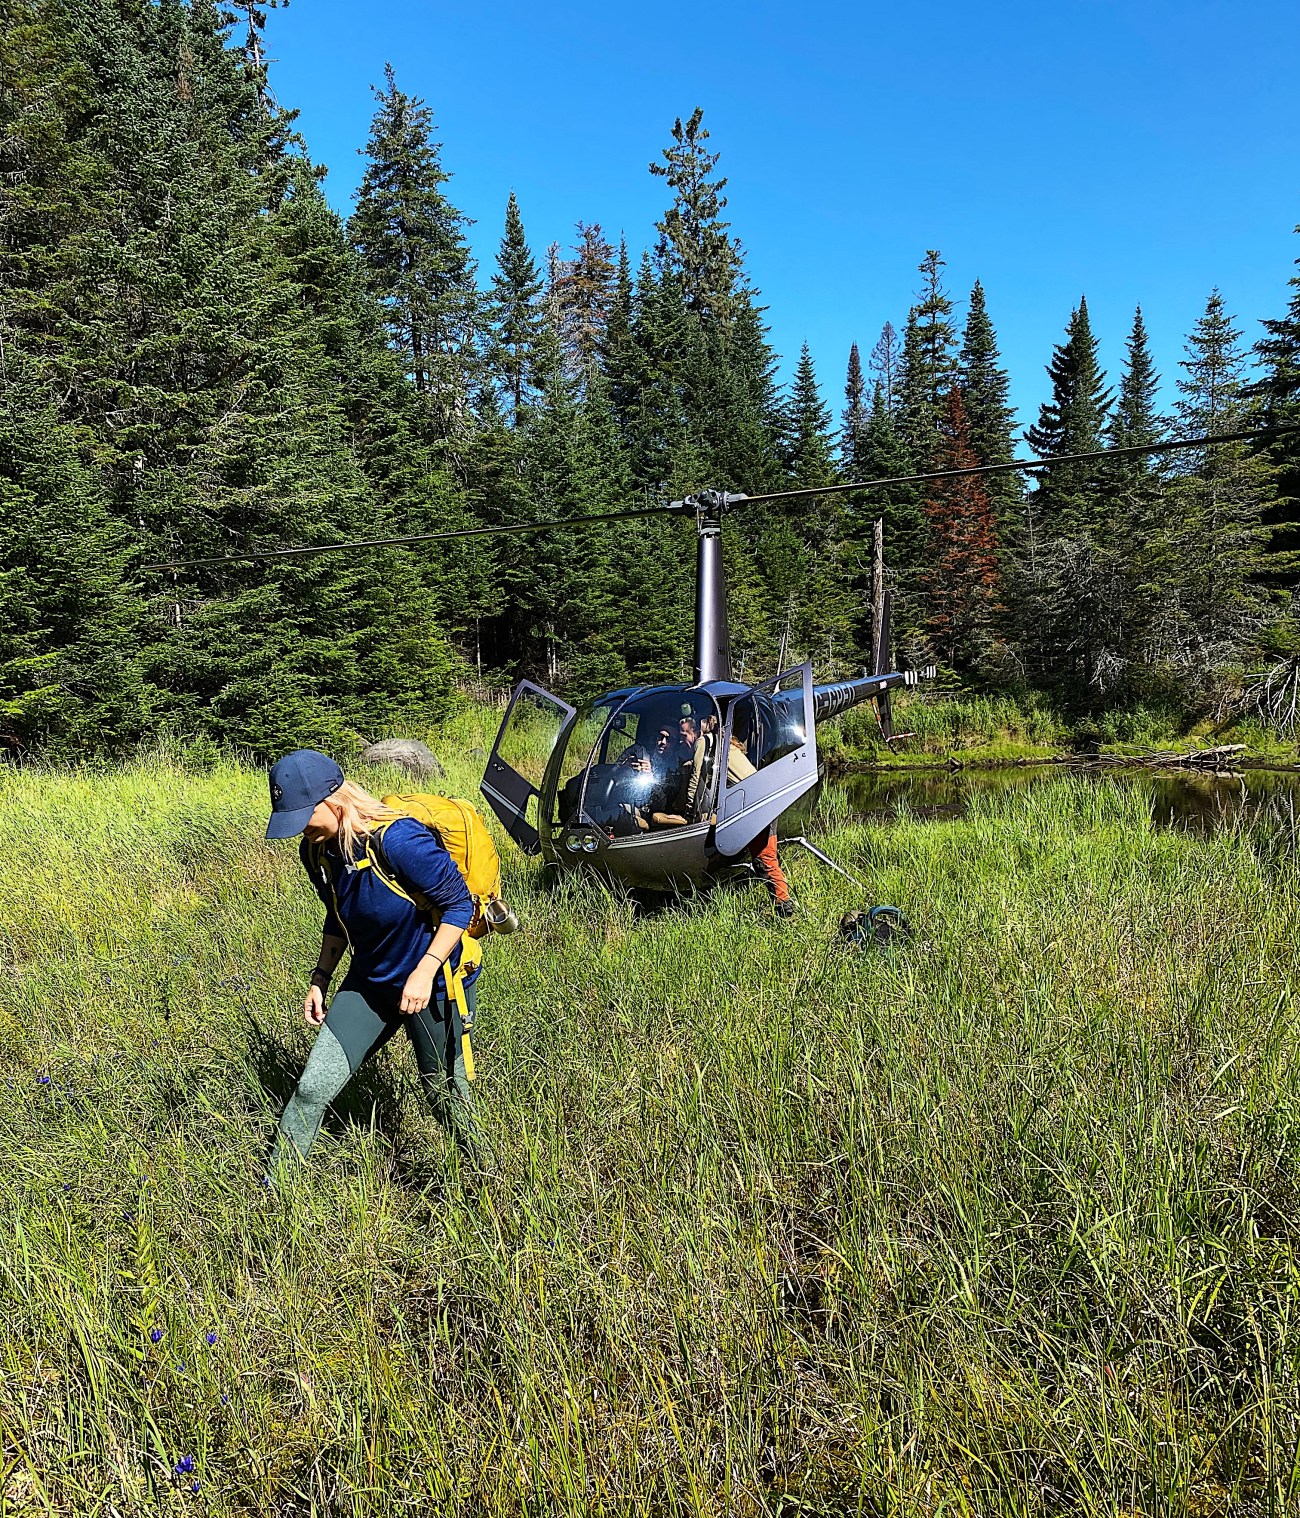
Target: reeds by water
x=1005 y=1223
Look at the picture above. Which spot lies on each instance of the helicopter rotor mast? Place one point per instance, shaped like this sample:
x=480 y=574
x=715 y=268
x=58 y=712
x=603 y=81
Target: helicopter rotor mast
x=712 y=633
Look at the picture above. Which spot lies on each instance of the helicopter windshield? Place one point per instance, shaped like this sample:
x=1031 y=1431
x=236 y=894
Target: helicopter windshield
x=639 y=767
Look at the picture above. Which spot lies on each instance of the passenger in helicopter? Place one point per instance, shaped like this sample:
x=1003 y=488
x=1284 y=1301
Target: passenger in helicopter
x=699 y=785
x=665 y=756
x=668 y=760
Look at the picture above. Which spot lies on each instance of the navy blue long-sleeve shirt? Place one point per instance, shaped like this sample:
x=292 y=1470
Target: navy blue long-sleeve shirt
x=388 y=935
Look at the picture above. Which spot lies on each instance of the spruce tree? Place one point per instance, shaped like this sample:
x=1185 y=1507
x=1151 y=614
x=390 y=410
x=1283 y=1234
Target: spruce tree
x=709 y=341
x=809 y=449
x=928 y=366
x=1218 y=495
x=514 y=311
x=1139 y=516
x=937 y=335
x=695 y=240
x=1135 y=422
x=985 y=387
x=1073 y=421
x=412 y=243
x=1276 y=395
x=886 y=360
x=853 y=431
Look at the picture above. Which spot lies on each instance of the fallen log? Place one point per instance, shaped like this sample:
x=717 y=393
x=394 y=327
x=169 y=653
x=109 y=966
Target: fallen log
x=1221 y=760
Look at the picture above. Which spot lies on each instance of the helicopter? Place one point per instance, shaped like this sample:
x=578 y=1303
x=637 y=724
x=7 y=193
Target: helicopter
x=630 y=786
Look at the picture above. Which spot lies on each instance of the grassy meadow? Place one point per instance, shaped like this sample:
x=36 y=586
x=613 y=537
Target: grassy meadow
x=1005 y=1223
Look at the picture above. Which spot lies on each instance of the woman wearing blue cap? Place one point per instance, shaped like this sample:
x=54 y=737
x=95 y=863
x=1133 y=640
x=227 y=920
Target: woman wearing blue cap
x=395 y=978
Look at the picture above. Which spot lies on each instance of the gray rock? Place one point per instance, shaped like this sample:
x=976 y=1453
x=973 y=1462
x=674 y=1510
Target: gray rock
x=407 y=753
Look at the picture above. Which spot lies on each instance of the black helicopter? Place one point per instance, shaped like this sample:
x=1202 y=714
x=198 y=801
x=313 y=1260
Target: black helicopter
x=632 y=785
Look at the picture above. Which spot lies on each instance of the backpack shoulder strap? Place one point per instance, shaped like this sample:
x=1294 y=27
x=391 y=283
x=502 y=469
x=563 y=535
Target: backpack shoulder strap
x=389 y=873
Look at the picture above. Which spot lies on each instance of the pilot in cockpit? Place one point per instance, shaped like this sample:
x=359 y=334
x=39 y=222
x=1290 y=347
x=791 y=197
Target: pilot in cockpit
x=635 y=785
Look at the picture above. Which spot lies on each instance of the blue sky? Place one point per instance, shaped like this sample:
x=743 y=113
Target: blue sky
x=1140 y=152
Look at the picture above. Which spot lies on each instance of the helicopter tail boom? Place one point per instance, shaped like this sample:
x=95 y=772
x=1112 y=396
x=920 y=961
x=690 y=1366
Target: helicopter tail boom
x=834 y=700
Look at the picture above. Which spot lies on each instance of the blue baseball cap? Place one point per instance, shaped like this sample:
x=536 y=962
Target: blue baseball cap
x=299 y=783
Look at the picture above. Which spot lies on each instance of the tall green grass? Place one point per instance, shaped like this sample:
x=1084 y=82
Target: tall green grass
x=1002 y=1224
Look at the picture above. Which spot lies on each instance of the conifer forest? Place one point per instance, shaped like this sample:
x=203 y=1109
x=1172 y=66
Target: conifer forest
x=199 y=357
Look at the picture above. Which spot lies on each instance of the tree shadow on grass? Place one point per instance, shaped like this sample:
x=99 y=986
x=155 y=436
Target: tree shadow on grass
x=373 y=1098
x=585 y=895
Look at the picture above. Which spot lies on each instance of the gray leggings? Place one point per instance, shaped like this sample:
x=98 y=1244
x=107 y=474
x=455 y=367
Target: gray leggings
x=351 y=1033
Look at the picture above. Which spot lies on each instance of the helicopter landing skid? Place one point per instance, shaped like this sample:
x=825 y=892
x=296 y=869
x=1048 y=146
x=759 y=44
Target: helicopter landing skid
x=826 y=859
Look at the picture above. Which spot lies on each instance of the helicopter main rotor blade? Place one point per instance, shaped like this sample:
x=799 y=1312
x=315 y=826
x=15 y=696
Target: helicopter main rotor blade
x=677 y=508
x=517 y=528
x=1019 y=465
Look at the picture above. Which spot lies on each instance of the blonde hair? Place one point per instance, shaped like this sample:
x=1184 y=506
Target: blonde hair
x=361 y=814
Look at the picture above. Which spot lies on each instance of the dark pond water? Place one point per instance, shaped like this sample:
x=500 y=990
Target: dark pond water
x=1201 y=803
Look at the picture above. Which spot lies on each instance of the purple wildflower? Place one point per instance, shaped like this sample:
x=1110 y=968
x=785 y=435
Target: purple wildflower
x=185 y=1465
x=155 y=1335
x=210 y=1337
x=43 y=1079
x=195 y=1485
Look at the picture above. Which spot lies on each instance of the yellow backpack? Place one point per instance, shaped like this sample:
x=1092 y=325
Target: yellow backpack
x=460 y=828
x=464 y=835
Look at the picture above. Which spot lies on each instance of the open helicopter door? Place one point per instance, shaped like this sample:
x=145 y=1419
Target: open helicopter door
x=776 y=727
x=512 y=781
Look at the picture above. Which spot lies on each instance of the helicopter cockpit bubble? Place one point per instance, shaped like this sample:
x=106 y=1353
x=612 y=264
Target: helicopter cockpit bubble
x=635 y=778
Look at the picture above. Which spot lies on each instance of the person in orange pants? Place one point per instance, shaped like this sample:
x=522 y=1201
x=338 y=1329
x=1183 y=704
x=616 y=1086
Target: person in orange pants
x=763 y=854
x=762 y=851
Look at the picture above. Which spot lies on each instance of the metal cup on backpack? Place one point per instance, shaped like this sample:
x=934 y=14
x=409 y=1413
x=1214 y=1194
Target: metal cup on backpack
x=500 y=917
